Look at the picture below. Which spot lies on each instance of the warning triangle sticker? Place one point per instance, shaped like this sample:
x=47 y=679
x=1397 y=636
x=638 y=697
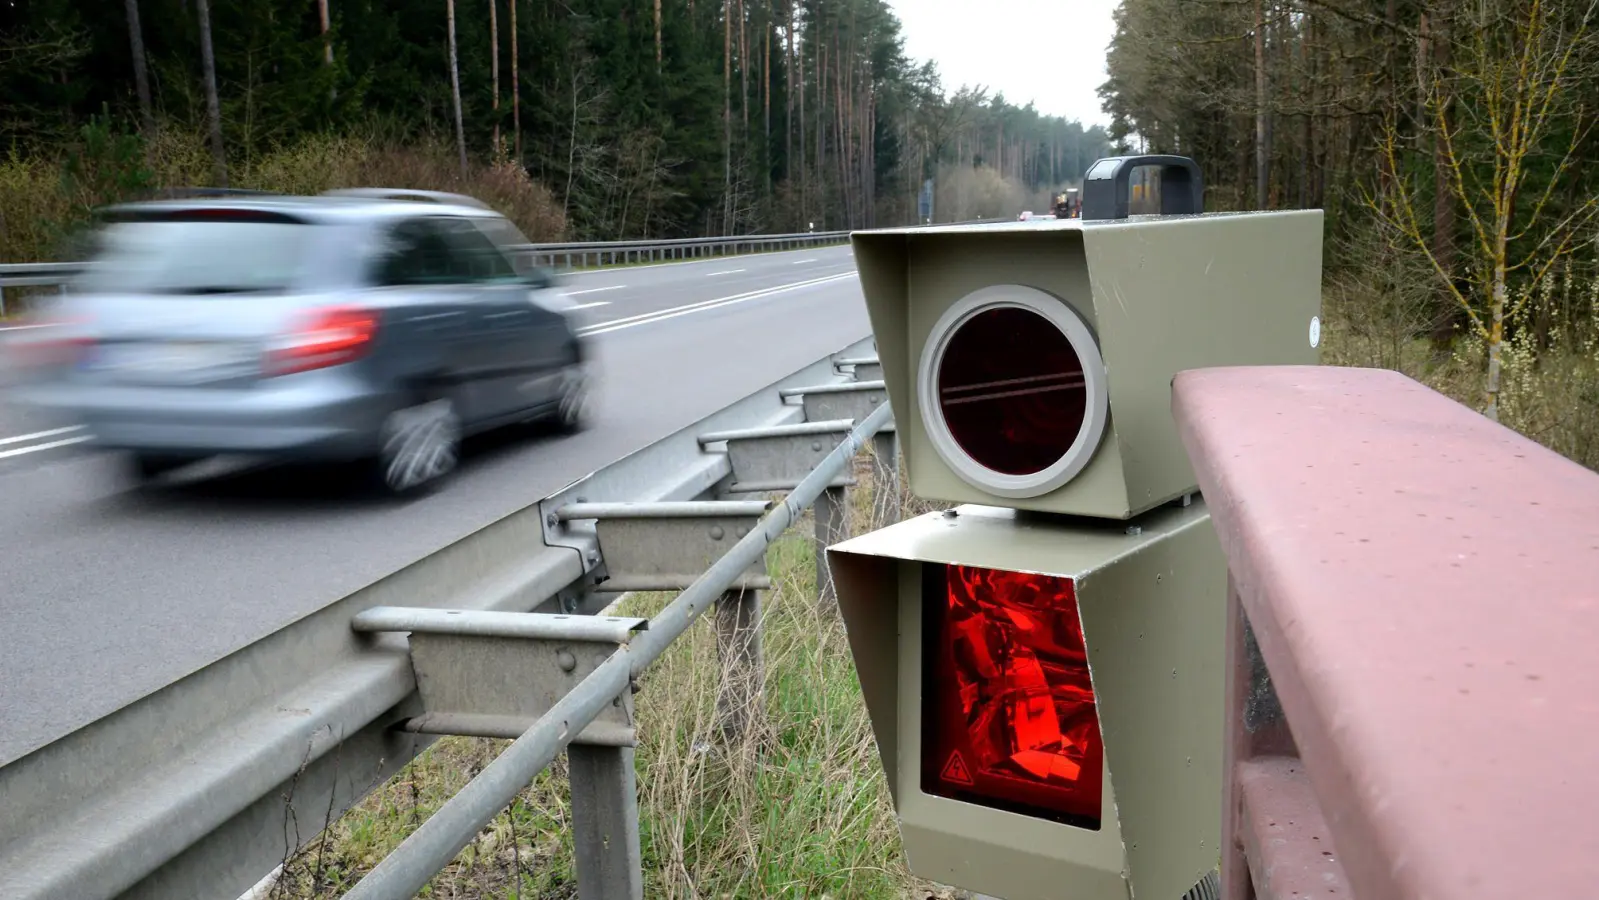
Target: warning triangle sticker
x=955 y=770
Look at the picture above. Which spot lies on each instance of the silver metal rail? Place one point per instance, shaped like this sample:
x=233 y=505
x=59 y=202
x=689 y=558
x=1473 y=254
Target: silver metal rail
x=575 y=255
x=204 y=786
x=609 y=253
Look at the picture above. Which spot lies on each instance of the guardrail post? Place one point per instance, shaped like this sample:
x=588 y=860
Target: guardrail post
x=605 y=836
x=830 y=529
x=738 y=645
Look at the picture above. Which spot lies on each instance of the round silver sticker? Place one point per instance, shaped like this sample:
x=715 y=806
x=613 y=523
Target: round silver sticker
x=1315 y=330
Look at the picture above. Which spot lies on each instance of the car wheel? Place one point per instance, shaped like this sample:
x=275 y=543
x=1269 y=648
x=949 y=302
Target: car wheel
x=577 y=387
x=420 y=446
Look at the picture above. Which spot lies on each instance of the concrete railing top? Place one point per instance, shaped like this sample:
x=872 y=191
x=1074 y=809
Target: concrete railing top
x=1423 y=588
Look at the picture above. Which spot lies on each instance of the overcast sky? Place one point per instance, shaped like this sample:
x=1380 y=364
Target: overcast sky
x=1051 y=52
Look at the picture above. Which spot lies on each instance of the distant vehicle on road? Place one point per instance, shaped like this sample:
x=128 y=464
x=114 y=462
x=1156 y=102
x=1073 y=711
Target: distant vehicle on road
x=1067 y=204
x=375 y=327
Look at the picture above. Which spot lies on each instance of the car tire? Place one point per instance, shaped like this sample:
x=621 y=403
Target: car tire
x=419 y=447
x=573 y=408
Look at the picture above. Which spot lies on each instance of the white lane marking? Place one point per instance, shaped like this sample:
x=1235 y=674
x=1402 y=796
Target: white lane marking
x=23 y=438
x=614 y=287
x=728 y=272
x=26 y=327
x=801 y=262
x=6 y=454
x=674 y=312
x=590 y=305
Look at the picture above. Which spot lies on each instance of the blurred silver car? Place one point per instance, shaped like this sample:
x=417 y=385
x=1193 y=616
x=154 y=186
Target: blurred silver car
x=349 y=327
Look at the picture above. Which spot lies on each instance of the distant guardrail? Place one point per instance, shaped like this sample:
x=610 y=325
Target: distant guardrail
x=602 y=253
x=572 y=255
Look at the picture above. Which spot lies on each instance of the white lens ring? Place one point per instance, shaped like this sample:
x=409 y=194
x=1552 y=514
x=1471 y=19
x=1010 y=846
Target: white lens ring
x=1096 y=407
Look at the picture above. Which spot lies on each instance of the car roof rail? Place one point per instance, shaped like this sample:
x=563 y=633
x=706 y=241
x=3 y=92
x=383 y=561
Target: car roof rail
x=408 y=195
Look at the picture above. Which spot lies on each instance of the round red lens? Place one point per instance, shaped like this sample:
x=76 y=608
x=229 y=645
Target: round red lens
x=1012 y=390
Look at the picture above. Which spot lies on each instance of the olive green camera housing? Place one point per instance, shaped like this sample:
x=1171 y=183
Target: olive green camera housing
x=1140 y=299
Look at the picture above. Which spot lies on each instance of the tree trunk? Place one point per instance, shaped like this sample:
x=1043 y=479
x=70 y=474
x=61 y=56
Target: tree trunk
x=727 y=114
x=821 y=130
x=455 y=86
x=766 y=95
x=213 y=106
x=327 y=25
x=1262 y=138
x=516 y=85
x=744 y=70
x=788 y=99
x=804 y=177
x=1305 y=91
x=1443 y=207
x=1496 y=335
x=141 y=74
x=494 y=68
x=327 y=42
x=658 y=45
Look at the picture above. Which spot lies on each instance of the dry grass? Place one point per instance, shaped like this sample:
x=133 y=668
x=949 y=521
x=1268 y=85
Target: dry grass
x=1381 y=316
x=37 y=207
x=796 y=808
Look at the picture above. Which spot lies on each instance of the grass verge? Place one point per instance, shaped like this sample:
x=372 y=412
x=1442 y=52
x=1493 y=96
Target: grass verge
x=797 y=808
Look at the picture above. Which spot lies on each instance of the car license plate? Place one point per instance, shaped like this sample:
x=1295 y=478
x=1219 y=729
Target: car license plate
x=167 y=360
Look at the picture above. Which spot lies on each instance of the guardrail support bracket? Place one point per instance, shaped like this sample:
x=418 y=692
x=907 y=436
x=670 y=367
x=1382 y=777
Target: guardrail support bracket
x=493 y=674
x=866 y=368
x=668 y=546
x=854 y=401
x=779 y=457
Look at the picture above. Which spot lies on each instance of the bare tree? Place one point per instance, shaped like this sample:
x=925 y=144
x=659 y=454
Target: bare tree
x=516 y=86
x=494 y=68
x=213 y=107
x=327 y=42
x=727 y=111
x=1521 y=74
x=141 y=75
x=455 y=86
x=1262 y=124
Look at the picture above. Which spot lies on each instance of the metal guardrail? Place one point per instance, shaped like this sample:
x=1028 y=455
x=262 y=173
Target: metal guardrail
x=1411 y=632
x=612 y=871
x=603 y=253
x=577 y=255
x=191 y=791
x=570 y=255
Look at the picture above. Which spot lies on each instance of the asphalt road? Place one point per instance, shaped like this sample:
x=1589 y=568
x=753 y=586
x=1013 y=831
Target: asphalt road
x=107 y=594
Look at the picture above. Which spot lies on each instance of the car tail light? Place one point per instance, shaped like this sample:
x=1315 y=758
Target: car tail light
x=45 y=343
x=1009 y=719
x=329 y=337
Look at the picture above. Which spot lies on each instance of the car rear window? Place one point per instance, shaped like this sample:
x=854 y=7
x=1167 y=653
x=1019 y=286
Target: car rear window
x=194 y=254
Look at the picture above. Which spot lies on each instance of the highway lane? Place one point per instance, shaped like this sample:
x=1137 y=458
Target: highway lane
x=605 y=300
x=108 y=594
